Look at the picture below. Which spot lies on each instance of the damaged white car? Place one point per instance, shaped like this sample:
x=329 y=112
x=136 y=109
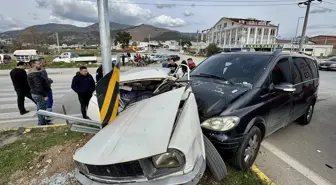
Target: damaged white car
x=156 y=138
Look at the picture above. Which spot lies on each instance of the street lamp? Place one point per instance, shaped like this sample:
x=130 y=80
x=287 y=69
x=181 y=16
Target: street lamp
x=297 y=26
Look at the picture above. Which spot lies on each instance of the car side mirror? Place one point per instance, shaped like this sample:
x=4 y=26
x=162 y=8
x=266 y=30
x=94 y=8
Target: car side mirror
x=285 y=87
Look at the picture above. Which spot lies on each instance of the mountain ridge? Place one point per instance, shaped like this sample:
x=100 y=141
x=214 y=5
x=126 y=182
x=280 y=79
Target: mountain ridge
x=71 y=34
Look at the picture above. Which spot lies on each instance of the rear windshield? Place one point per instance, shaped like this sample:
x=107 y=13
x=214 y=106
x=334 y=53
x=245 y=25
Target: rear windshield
x=236 y=68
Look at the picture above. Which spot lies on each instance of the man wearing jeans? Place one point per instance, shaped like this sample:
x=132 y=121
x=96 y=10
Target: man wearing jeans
x=40 y=88
x=50 y=95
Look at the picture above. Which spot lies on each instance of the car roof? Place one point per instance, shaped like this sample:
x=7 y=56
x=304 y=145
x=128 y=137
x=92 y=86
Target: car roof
x=276 y=53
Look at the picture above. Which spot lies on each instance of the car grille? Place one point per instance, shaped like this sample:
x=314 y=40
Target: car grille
x=121 y=170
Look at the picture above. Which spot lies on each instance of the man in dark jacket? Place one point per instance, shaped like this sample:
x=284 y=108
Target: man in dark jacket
x=99 y=73
x=20 y=83
x=50 y=95
x=84 y=85
x=40 y=88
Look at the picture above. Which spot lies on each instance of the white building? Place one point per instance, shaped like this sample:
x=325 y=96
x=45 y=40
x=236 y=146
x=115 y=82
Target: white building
x=236 y=33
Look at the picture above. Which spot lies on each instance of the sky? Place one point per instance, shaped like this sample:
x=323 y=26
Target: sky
x=181 y=15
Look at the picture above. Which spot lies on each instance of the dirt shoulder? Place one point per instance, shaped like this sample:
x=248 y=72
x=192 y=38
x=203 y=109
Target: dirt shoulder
x=44 y=156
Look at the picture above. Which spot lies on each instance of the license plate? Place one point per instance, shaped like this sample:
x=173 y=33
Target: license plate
x=323 y=66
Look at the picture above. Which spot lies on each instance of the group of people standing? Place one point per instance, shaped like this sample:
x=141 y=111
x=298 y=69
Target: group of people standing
x=173 y=66
x=36 y=85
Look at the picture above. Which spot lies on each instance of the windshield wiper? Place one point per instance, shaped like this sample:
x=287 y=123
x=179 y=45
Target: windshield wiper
x=213 y=76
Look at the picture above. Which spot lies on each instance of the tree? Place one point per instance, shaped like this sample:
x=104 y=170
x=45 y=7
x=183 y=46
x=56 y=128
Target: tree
x=123 y=38
x=212 y=49
x=134 y=44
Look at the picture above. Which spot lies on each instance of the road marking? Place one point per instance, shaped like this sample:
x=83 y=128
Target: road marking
x=12 y=106
x=14 y=98
x=52 y=87
x=12 y=94
x=29 y=119
x=308 y=173
x=261 y=175
x=16 y=115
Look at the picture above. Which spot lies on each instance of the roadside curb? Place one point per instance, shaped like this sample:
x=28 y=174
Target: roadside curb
x=28 y=129
x=261 y=175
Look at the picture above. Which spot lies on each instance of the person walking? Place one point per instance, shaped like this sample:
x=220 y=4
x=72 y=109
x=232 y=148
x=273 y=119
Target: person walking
x=123 y=59
x=50 y=81
x=39 y=87
x=84 y=85
x=20 y=83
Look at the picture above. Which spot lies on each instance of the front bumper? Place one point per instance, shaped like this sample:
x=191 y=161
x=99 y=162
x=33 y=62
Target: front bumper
x=327 y=67
x=191 y=178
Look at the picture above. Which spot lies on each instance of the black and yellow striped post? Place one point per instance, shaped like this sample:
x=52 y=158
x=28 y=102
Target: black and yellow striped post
x=107 y=91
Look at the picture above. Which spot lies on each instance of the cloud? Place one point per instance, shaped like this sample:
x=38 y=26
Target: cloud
x=121 y=11
x=187 y=14
x=42 y=3
x=164 y=20
x=160 y=5
x=8 y=23
x=317 y=11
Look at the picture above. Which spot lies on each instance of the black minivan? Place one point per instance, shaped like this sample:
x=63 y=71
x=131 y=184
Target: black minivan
x=243 y=97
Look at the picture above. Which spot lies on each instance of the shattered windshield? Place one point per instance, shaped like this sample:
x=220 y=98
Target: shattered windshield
x=243 y=69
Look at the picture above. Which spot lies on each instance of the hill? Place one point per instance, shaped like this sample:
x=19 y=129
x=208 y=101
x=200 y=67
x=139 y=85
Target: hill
x=70 y=34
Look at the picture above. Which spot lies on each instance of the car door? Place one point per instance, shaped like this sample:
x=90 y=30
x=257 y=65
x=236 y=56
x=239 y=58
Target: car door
x=280 y=102
x=305 y=81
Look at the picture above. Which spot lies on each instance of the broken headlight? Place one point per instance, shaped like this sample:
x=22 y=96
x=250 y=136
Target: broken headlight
x=221 y=123
x=82 y=167
x=170 y=159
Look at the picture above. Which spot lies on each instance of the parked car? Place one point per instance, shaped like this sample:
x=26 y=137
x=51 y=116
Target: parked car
x=5 y=59
x=69 y=57
x=160 y=58
x=328 y=64
x=174 y=57
x=244 y=97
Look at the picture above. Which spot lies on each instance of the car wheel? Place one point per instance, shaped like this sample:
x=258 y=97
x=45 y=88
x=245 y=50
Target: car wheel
x=214 y=161
x=248 y=150
x=306 y=118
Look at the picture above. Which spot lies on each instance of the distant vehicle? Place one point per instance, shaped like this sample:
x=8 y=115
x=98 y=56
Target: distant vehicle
x=25 y=55
x=174 y=57
x=328 y=64
x=5 y=59
x=160 y=58
x=69 y=57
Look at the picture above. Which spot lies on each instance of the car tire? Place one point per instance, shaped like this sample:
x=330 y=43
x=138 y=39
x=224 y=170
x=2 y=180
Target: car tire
x=248 y=150
x=306 y=118
x=214 y=161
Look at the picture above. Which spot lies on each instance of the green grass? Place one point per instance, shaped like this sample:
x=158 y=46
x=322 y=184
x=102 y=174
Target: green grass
x=18 y=155
x=234 y=177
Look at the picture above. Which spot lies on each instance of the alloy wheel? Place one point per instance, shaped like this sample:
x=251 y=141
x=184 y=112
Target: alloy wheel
x=251 y=148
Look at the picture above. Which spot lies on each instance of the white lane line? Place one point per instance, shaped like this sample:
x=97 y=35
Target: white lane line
x=52 y=87
x=30 y=119
x=13 y=98
x=311 y=175
x=14 y=105
x=13 y=94
x=16 y=115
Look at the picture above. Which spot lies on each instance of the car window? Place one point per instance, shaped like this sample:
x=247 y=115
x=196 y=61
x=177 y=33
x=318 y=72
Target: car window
x=281 y=71
x=312 y=66
x=300 y=71
x=236 y=68
x=333 y=59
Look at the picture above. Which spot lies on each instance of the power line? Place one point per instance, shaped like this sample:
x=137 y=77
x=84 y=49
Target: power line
x=202 y=5
x=324 y=8
x=240 y=1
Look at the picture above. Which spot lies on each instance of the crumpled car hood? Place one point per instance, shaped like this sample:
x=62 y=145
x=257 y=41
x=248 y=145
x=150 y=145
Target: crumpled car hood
x=213 y=97
x=144 y=73
x=144 y=127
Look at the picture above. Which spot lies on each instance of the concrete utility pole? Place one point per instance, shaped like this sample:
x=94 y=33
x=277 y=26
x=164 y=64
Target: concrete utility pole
x=296 y=32
x=58 y=46
x=104 y=33
x=306 y=3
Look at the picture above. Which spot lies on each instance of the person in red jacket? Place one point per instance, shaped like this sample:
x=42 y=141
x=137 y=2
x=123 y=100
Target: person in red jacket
x=191 y=64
